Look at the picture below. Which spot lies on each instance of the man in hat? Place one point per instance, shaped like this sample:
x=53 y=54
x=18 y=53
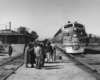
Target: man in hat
x=38 y=52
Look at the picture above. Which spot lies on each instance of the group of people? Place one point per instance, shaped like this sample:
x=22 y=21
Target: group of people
x=39 y=53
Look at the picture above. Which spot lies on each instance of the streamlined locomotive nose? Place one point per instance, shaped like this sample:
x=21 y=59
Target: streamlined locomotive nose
x=75 y=38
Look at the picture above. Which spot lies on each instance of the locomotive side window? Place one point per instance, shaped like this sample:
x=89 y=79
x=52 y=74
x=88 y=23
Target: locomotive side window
x=69 y=25
x=65 y=34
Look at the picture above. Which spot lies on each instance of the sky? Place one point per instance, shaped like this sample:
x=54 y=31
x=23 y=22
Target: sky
x=46 y=17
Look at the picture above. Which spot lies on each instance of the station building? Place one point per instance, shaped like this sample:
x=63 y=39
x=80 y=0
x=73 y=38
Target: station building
x=8 y=36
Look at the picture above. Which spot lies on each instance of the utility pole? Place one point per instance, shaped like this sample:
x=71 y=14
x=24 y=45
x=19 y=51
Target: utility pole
x=10 y=25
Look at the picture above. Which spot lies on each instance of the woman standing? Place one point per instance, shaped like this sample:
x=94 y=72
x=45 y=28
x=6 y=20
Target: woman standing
x=26 y=56
x=10 y=50
x=29 y=56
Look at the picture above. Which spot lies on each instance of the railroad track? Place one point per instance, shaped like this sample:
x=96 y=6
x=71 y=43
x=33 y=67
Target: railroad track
x=91 y=63
x=10 y=66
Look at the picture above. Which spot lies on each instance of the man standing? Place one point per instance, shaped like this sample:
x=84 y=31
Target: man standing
x=31 y=54
x=49 y=52
x=53 y=51
x=38 y=52
x=43 y=54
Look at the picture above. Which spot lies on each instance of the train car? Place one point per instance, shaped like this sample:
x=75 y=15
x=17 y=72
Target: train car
x=72 y=37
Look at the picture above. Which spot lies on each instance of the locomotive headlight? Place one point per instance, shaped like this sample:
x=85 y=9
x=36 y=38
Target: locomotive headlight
x=75 y=29
x=74 y=35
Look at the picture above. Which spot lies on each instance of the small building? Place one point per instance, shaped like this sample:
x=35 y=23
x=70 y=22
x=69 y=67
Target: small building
x=9 y=36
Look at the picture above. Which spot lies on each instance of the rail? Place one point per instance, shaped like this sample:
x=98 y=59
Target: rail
x=88 y=62
x=9 y=67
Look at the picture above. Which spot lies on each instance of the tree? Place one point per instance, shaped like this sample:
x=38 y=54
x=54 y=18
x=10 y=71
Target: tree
x=23 y=30
x=34 y=35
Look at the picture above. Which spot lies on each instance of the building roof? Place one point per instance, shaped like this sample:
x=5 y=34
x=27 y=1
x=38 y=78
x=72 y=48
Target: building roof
x=9 y=32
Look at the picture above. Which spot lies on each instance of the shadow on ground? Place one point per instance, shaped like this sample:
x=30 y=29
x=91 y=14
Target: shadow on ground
x=52 y=67
x=90 y=51
x=56 y=66
x=2 y=55
x=60 y=61
x=3 y=52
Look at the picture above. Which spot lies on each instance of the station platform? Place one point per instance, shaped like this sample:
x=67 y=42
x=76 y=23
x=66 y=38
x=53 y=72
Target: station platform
x=59 y=70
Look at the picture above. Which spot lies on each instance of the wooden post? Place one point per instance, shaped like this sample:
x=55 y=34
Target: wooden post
x=5 y=39
x=18 y=40
x=22 y=39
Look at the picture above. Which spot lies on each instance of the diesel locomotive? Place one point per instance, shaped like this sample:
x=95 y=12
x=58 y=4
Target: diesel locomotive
x=72 y=37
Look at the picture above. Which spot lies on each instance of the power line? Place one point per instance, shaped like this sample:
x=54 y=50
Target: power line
x=4 y=24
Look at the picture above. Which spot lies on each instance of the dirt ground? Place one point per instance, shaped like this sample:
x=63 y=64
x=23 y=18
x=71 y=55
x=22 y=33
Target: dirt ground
x=60 y=70
x=17 y=49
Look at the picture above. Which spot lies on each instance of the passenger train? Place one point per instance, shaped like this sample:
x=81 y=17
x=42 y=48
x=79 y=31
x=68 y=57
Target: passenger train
x=72 y=37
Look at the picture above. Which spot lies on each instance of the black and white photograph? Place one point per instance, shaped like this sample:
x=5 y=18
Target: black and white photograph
x=49 y=40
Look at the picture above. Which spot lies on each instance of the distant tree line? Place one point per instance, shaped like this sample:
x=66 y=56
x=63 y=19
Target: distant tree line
x=24 y=30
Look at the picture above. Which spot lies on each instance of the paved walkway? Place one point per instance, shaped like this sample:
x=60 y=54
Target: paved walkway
x=59 y=70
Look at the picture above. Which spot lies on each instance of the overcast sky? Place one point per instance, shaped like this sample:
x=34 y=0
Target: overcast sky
x=47 y=16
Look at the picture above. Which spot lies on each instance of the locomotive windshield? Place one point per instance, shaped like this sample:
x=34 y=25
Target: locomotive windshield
x=79 y=25
x=69 y=25
x=81 y=32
